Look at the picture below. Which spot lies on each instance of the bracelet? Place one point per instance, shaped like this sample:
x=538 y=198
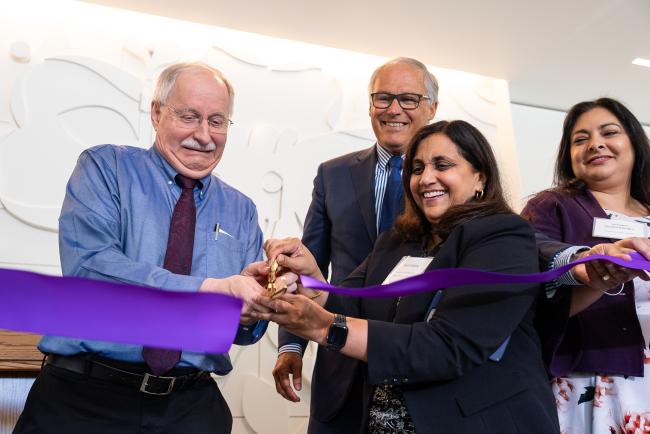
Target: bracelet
x=618 y=293
x=316 y=295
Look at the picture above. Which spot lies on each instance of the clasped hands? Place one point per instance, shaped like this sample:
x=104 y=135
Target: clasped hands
x=265 y=286
x=300 y=312
x=257 y=279
x=603 y=275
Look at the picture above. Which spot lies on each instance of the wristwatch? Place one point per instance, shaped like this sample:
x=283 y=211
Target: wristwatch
x=337 y=334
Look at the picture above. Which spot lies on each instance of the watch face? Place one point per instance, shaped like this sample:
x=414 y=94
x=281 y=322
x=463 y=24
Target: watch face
x=338 y=334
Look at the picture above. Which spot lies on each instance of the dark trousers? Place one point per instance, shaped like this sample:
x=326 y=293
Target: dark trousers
x=61 y=401
x=349 y=418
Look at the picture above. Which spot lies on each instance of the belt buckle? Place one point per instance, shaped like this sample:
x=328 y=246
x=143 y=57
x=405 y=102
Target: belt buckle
x=145 y=384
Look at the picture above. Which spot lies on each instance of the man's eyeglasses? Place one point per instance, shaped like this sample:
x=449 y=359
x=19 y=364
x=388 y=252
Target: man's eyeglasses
x=191 y=120
x=408 y=101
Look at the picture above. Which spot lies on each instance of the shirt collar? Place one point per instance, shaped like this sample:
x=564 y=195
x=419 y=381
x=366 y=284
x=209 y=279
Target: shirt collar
x=383 y=155
x=170 y=172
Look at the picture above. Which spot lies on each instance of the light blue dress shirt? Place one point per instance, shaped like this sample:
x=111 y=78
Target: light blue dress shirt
x=114 y=225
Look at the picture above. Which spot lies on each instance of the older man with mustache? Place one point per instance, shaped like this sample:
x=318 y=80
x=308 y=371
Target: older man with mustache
x=159 y=218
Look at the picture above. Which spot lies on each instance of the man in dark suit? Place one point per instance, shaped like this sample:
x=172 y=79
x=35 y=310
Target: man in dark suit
x=355 y=198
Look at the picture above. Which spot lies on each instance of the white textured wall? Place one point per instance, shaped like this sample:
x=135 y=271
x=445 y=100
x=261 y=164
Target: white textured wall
x=537 y=134
x=75 y=75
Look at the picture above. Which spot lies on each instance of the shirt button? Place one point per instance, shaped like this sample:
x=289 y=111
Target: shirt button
x=624 y=329
x=170 y=182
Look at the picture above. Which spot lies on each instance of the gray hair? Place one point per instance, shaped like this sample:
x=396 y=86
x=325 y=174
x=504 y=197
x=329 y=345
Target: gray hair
x=430 y=81
x=167 y=80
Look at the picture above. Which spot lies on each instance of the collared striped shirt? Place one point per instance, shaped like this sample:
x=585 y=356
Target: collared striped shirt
x=382 y=172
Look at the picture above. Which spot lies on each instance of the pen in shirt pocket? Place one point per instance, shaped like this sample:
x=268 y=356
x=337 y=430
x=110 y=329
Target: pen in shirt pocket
x=218 y=230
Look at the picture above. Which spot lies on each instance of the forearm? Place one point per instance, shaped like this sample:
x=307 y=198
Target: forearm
x=221 y=286
x=115 y=266
x=357 y=344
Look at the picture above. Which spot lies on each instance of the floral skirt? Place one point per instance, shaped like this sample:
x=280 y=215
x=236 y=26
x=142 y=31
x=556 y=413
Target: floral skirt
x=606 y=404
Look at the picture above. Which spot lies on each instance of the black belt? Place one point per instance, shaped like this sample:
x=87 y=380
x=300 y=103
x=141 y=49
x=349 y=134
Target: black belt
x=144 y=382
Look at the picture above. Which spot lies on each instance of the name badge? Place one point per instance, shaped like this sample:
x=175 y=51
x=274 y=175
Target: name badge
x=618 y=229
x=408 y=266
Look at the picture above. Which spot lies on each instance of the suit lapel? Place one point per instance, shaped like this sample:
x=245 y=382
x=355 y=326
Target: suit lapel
x=363 y=179
x=589 y=203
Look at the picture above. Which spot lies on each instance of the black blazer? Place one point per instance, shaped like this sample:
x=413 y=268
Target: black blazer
x=449 y=384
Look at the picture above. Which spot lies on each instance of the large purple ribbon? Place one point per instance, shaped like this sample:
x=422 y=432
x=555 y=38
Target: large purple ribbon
x=193 y=321
x=449 y=277
x=105 y=311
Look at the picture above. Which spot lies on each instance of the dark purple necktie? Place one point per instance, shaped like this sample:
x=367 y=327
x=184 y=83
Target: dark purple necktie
x=178 y=260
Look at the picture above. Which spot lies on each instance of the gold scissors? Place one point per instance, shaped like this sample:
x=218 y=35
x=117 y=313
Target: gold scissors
x=274 y=288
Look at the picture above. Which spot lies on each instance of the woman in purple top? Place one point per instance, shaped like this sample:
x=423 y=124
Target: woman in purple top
x=596 y=342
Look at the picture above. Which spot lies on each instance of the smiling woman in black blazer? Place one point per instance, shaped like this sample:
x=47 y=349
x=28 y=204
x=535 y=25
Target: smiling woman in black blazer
x=472 y=364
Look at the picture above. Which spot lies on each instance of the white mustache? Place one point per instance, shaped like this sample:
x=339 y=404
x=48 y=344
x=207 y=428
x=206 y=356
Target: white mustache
x=195 y=145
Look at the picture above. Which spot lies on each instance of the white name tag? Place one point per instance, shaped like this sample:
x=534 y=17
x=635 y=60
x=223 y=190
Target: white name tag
x=618 y=229
x=408 y=266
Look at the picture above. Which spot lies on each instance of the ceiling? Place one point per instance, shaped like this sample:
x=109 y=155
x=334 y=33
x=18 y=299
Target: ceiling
x=554 y=53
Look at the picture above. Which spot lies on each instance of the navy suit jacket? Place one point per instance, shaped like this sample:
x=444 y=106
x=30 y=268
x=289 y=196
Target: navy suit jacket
x=340 y=228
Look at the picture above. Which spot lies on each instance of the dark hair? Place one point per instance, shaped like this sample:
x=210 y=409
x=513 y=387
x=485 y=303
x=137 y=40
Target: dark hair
x=565 y=179
x=473 y=147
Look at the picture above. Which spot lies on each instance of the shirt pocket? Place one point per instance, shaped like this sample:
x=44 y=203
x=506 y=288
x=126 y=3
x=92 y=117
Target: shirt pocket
x=225 y=255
